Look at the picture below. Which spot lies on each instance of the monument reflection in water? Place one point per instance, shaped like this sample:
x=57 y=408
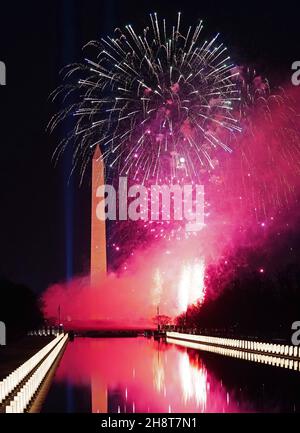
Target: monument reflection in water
x=144 y=375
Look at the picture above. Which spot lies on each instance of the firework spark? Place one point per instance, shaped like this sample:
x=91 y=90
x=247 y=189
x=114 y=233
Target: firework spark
x=157 y=104
x=191 y=284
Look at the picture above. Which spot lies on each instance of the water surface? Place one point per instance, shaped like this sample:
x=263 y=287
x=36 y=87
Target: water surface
x=144 y=375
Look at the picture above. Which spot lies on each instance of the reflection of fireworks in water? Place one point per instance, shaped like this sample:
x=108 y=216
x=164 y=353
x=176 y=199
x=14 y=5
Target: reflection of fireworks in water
x=158 y=372
x=150 y=99
x=193 y=381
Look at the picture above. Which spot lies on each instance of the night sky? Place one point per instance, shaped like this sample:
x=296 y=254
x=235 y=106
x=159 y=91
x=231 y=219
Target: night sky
x=44 y=215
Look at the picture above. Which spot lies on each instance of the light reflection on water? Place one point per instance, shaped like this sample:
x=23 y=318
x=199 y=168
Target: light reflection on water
x=144 y=375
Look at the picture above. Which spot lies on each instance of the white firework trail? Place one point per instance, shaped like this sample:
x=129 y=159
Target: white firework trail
x=146 y=95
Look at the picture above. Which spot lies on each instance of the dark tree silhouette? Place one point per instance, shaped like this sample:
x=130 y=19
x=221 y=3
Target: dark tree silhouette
x=20 y=309
x=243 y=299
x=161 y=320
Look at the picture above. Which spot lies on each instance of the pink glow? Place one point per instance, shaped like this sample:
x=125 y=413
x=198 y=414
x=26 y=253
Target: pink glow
x=130 y=299
x=255 y=187
x=152 y=376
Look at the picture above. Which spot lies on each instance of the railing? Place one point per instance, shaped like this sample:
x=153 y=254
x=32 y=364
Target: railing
x=26 y=393
x=46 y=331
x=270 y=359
x=18 y=375
x=252 y=346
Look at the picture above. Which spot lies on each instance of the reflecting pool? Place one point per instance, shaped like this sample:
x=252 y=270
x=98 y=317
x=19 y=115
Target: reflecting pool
x=145 y=375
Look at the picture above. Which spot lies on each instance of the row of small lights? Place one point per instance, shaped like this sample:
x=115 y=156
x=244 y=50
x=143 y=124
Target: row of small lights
x=26 y=393
x=43 y=332
x=13 y=379
x=247 y=356
x=278 y=349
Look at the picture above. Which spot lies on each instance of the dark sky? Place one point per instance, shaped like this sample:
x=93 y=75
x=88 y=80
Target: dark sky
x=43 y=218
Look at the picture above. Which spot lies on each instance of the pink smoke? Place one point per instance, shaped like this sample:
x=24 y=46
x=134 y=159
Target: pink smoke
x=248 y=198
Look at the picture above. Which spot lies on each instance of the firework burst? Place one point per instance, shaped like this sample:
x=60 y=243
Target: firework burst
x=156 y=104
